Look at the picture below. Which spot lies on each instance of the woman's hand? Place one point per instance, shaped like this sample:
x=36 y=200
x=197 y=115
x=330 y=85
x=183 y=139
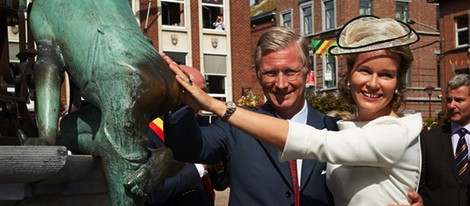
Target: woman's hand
x=414 y=198
x=192 y=96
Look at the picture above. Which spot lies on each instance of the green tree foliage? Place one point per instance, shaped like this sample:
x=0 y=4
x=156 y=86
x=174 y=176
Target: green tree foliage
x=327 y=102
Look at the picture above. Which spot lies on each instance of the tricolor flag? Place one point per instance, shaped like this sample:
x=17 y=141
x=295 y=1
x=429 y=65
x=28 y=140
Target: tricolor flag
x=157 y=126
x=320 y=46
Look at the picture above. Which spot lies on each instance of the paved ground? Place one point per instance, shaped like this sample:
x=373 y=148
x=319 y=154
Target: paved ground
x=221 y=198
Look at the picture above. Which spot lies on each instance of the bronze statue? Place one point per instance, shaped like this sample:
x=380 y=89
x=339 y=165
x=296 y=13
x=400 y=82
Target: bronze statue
x=116 y=68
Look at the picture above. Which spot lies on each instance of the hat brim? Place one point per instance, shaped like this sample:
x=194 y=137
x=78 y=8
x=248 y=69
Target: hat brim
x=408 y=38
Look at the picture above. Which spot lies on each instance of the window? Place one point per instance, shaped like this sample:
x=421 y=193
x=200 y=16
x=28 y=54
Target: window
x=329 y=71
x=178 y=57
x=365 y=7
x=461 y=24
x=401 y=11
x=173 y=13
x=215 y=71
x=307 y=18
x=286 y=18
x=311 y=83
x=212 y=10
x=408 y=78
x=14 y=49
x=328 y=14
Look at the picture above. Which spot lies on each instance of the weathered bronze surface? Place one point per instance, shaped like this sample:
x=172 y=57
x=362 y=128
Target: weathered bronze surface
x=100 y=45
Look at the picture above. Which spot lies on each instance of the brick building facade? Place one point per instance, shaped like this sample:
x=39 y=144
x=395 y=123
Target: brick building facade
x=183 y=29
x=454 y=58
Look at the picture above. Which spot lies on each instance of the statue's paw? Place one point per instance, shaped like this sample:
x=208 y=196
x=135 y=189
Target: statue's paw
x=137 y=192
x=135 y=182
x=163 y=166
x=158 y=167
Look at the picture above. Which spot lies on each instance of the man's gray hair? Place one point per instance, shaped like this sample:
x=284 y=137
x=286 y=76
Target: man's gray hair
x=458 y=81
x=278 y=38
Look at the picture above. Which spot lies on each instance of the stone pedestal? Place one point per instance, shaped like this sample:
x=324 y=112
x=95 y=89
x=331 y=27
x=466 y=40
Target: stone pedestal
x=48 y=175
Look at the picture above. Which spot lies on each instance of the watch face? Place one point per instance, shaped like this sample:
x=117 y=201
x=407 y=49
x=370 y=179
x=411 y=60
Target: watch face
x=231 y=104
x=230 y=110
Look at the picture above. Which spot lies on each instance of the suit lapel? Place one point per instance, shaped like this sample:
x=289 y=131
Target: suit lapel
x=281 y=167
x=273 y=153
x=313 y=119
x=446 y=138
x=446 y=142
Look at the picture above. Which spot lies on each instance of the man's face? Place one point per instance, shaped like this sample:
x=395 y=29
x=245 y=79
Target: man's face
x=458 y=105
x=283 y=80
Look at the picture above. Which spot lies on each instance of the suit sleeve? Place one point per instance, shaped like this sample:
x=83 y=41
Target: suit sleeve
x=192 y=143
x=186 y=181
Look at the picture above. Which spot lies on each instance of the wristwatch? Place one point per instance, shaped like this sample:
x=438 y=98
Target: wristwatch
x=231 y=107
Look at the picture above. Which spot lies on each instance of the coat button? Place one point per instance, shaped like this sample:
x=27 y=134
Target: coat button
x=288 y=194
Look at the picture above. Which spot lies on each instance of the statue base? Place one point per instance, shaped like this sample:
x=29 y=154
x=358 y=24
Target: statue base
x=48 y=175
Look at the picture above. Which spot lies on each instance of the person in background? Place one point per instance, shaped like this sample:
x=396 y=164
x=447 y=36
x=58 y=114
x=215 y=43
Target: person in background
x=191 y=185
x=373 y=160
x=445 y=178
x=218 y=24
x=255 y=174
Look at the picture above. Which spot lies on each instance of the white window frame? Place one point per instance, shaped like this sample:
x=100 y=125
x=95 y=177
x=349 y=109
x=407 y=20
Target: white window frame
x=461 y=30
x=313 y=59
x=212 y=19
x=283 y=18
x=225 y=78
x=185 y=13
x=403 y=13
x=408 y=78
x=303 y=23
x=218 y=95
x=325 y=23
x=325 y=65
x=365 y=9
x=184 y=53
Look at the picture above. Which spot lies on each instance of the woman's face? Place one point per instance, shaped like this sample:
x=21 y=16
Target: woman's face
x=373 y=80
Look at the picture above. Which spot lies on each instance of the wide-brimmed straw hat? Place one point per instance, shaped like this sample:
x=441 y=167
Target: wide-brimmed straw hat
x=369 y=33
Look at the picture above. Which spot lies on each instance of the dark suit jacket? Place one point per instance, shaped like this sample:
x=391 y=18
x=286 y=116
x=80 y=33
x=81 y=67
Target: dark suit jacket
x=256 y=175
x=183 y=189
x=440 y=184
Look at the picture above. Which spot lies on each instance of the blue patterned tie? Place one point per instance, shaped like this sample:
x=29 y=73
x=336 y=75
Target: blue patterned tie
x=461 y=152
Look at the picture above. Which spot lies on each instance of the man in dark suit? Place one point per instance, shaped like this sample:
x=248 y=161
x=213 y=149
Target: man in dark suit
x=441 y=183
x=256 y=176
x=190 y=186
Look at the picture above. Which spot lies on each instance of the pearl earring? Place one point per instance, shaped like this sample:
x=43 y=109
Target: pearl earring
x=396 y=91
x=348 y=84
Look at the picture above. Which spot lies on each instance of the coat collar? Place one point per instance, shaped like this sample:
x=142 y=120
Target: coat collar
x=446 y=142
